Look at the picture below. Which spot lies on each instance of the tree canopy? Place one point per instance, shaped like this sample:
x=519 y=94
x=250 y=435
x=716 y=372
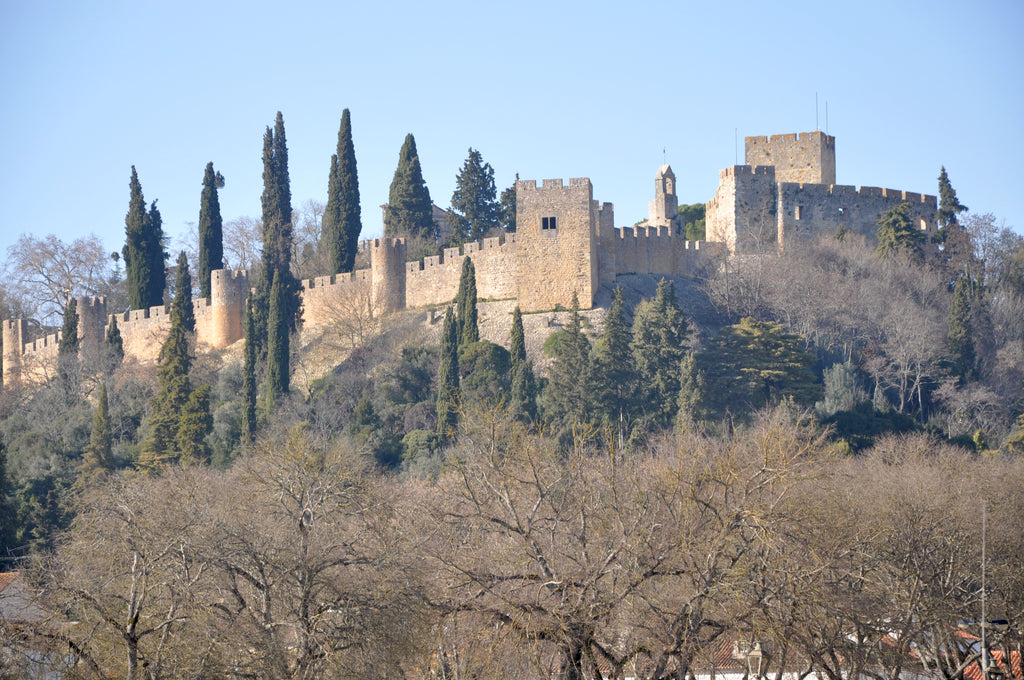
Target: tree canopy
x=410 y=211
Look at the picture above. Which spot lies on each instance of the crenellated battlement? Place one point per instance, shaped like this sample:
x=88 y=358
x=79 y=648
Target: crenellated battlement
x=746 y=171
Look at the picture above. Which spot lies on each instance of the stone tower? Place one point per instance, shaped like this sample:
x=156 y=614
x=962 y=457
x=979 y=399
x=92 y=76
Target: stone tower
x=228 y=291
x=387 y=274
x=14 y=333
x=807 y=157
x=663 y=210
x=556 y=240
x=92 y=324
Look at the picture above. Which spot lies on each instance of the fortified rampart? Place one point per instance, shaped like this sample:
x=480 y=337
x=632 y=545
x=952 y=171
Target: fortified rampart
x=787 y=191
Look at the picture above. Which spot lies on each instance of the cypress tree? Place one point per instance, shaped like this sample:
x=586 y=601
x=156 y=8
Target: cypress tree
x=156 y=257
x=517 y=345
x=614 y=376
x=475 y=209
x=277 y=346
x=98 y=458
x=468 y=329
x=409 y=211
x=341 y=221
x=68 y=345
x=8 y=528
x=249 y=375
x=896 y=233
x=183 y=294
x=211 y=230
x=113 y=346
x=159 y=448
x=67 y=352
x=448 y=377
x=136 y=262
x=523 y=387
x=692 y=389
x=658 y=346
x=960 y=338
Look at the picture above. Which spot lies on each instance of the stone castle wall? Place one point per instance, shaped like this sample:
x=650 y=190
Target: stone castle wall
x=435 y=280
x=803 y=157
x=813 y=208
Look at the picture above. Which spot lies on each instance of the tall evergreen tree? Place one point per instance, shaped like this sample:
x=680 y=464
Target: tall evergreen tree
x=896 y=233
x=67 y=352
x=692 y=390
x=183 y=294
x=507 y=207
x=949 y=205
x=249 y=359
x=658 y=346
x=960 y=338
x=278 y=347
x=143 y=250
x=341 y=221
x=517 y=344
x=98 y=458
x=448 y=377
x=159 y=447
x=211 y=230
x=523 y=384
x=475 y=209
x=468 y=329
x=194 y=426
x=276 y=255
x=113 y=346
x=614 y=375
x=8 y=528
x=409 y=211
x=567 y=397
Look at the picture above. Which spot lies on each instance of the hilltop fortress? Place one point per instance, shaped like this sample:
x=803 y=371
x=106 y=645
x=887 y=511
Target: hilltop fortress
x=565 y=243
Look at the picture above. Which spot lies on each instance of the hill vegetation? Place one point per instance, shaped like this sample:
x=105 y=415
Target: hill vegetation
x=798 y=449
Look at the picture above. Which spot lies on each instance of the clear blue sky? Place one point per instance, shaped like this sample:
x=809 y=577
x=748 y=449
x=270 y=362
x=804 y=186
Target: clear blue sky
x=546 y=90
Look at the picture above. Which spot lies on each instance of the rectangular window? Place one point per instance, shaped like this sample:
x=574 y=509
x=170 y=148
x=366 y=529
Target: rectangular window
x=799 y=209
x=548 y=223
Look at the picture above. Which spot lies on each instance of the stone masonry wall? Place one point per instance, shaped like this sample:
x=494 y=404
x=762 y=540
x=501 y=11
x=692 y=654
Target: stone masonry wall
x=814 y=208
x=803 y=157
x=435 y=280
x=742 y=215
x=552 y=264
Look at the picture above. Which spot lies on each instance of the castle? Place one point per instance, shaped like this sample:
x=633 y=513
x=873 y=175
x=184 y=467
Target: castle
x=565 y=244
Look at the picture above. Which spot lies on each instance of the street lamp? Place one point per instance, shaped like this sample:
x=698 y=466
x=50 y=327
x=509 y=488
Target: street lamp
x=755 y=655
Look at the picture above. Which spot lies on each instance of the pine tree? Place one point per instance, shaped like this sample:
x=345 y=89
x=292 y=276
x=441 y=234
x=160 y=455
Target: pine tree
x=194 y=426
x=448 y=377
x=211 y=230
x=410 y=211
x=341 y=221
x=98 y=458
x=278 y=347
x=613 y=373
x=960 y=338
x=113 y=346
x=475 y=209
x=468 y=330
x=896 y=233
x=949 y=205
x=249 y=375
x=658 y=346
